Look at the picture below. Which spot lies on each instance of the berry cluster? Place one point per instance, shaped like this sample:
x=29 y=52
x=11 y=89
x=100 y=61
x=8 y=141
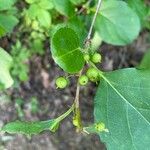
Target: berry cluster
x=92 y=73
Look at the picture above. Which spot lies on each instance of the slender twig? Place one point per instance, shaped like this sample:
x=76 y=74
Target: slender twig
x=87 y=44
x=88 y=39
x=77 y=92
x=63 y=116
x=77 y=113
x=83 y=8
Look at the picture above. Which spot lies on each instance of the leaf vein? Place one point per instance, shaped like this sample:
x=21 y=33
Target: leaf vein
x=127 y=114
x=124 y=98
x=68 y=53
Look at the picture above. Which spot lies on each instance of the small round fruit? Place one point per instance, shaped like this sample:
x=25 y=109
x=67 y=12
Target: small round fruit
x=86 y=57
x=83 y=80
x=92 y=74
x=61 y=82
x=96 y=58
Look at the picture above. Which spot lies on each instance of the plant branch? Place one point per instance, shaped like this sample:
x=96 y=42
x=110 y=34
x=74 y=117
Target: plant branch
x=77 y=114
x=84 y=6
x=63 y=116
x=77 y=93
x=88 y=39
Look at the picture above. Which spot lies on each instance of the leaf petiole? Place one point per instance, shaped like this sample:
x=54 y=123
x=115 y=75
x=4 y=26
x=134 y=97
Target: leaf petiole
x=63 y=116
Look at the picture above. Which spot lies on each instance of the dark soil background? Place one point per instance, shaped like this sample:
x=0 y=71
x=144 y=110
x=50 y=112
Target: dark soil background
x=52 y=102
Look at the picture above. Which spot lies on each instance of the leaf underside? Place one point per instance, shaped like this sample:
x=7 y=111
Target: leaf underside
x=117 y=23
x=122 y=102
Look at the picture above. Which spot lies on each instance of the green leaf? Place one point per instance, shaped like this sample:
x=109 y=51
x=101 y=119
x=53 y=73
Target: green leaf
x=6 y=4
x=7 y=23
x=32 y=12
x=2 y=31
x=66 y=51
x=5 y=64
x=33 y=128
x=148 y=23
x=141 y=9
x=46 y=4
x=77 y=2
x=117 y=23
x=30 y=128
x=122 y=103
x=38 y=47
x=79 y=27
x=32 y=1
x=64 y=7
x=44 y=18
x=145 y=63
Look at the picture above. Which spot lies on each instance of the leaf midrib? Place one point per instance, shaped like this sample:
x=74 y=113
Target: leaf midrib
x=127 y=123
x=68 y=53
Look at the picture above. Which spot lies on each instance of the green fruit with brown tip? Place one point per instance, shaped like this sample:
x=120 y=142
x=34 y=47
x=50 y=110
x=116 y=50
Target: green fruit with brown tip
x=83 y=80
x=93 y=74
x=96 y=58
x=61 y=82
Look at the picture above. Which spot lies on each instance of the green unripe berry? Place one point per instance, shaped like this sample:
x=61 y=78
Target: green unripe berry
x=61 y=82
x=92 y=74
x=96 y=58
x=83 y=80
x=86 y=57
